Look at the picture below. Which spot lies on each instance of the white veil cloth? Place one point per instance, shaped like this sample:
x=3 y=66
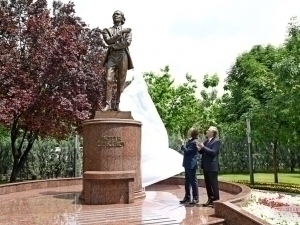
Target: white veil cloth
x=159 y=162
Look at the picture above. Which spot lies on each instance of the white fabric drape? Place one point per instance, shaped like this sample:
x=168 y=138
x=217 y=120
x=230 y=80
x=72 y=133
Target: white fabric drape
x=159 y=162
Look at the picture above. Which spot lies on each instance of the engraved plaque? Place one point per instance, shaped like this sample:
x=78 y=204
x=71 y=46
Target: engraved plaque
x=107 y=141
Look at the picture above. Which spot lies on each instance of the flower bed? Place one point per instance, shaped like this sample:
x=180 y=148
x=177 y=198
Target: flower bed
x=275 y=208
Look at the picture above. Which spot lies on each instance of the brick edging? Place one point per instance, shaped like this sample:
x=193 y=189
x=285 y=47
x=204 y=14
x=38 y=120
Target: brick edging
x=38 y=184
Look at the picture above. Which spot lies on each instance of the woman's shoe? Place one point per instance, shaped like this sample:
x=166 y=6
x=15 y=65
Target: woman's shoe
x=186 y=199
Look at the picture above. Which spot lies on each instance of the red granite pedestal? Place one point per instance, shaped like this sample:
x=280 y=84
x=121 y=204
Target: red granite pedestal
x=112 y=159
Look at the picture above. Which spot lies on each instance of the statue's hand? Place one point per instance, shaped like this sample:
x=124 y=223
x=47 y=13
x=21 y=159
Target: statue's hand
x=126 y=30
x=107 y=46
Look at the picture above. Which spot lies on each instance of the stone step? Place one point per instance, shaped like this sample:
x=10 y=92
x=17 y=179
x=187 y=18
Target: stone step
x=215 y=221
x=113 y=114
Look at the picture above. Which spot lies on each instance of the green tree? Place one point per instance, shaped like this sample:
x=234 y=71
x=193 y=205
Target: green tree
x=5 y=152
x=254 y=93
x=177 y=105
x=288 y=71
x=288 y=80
x=209 y=101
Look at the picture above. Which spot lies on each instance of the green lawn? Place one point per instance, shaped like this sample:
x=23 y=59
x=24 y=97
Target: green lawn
x=3 y=182
x=291 y=178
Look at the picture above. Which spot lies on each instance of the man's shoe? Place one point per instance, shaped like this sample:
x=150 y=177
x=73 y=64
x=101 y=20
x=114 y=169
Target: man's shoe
x=208 y=203
x=194 y=201
x=185 y=200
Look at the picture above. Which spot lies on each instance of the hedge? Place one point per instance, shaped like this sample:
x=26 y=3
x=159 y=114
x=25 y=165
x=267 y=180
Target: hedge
x=282 y=187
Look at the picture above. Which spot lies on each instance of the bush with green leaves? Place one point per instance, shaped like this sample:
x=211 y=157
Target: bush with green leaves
x=268 y=186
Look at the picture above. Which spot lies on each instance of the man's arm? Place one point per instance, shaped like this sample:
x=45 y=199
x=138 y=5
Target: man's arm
x=191 y=149
x=215 y=149
x=183 y=148
x=200 y=151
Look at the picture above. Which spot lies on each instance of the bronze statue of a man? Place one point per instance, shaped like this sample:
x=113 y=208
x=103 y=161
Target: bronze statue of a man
x=117 y=59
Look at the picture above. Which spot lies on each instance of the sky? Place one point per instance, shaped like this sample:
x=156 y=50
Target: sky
x=197 y=37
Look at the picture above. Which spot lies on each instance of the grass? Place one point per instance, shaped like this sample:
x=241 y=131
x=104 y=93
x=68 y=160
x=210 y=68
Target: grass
x=3 y=182
x=288 y=178
x=288 y=182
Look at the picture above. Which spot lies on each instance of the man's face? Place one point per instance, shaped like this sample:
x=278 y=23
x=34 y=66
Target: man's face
x=117 y=16
x=209 y=133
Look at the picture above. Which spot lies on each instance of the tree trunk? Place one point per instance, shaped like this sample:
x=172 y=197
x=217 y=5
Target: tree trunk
x=19 y=161
x=293 y=161
x=19 y=156
x=275 y=164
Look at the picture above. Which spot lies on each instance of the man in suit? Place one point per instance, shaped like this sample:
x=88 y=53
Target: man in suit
x=190 y=156
x=117 y=59
x=210 y=164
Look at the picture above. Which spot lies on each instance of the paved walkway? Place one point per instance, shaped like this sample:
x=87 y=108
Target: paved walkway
x=62 y=206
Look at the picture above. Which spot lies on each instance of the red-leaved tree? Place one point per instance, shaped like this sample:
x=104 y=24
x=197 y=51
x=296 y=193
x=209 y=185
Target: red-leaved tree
x=51 y=78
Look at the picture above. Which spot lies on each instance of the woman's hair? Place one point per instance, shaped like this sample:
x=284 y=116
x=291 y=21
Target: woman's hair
x=194 y=132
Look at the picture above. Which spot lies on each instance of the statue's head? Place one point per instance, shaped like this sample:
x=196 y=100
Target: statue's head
x=118 y=16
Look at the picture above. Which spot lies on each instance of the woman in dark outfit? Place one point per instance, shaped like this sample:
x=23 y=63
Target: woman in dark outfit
x=190 y=156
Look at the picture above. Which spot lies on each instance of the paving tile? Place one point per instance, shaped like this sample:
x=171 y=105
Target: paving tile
x=62 y=206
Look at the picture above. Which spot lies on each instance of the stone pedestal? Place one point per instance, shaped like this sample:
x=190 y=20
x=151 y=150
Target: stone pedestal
x=112 y=159
x=103 y=187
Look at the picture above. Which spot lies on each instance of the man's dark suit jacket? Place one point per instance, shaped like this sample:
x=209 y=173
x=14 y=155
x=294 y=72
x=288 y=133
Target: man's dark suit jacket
x=210 y=155
x=190 y=154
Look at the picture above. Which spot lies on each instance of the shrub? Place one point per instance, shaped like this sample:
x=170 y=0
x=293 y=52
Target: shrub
x=281 y=187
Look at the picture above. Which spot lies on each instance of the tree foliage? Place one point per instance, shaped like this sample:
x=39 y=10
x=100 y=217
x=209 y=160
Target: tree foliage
x=177 y=105
x=209 y=101
x=263 y=85
x=49 y=72
x=51 y=80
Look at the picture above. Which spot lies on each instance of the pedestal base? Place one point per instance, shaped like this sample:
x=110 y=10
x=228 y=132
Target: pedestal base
x=112 y=159
x=108 y=187
x=136 y=196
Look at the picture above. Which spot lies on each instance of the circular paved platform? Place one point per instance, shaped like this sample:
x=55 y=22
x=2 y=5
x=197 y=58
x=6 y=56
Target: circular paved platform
x=62 y=206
